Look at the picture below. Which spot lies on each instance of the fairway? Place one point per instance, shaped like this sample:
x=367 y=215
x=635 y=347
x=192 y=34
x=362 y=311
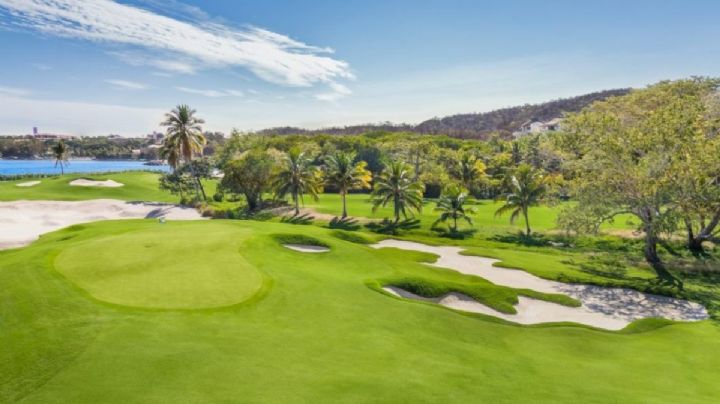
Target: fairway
x=309 y=330
x=169 y=266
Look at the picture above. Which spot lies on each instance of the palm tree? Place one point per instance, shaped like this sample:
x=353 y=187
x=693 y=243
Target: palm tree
x=184 y=138
x=61 y=152
x=451 y=204
x=468 y=170
x=344 y=174
x=298 y=177
x=170 y=152
x=396 y=184
x=528 y=188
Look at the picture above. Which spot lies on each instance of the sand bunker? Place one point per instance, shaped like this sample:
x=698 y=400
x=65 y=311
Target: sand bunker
x=609 y=308
x=306 y=248
x=82 y=182
x=27 y=184
x=22 y=222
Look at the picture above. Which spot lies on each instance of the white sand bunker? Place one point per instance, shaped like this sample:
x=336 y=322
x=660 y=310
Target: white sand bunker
x=83 y=182
x=27 y=184
x=22 y=222
x=609 y=308
x=307 y=248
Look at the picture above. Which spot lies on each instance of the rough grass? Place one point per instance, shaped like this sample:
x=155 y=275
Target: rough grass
x=352 y=237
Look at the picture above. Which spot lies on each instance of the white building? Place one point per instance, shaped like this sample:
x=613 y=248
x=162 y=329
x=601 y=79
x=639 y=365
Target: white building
x=537 y=127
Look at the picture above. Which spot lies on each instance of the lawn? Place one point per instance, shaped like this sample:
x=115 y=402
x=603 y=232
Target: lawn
x=312 y=331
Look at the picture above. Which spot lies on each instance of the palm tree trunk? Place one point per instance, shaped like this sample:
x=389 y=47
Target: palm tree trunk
x=527 y=222
x=297 y=204
x=396 y=204
x=454 y=221
x=344 y=212
x=198 y=184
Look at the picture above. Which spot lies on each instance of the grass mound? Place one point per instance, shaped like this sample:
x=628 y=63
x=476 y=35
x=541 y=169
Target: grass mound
x=168 y=266
x=497 y=297
x=299 y=239
x=352 y=237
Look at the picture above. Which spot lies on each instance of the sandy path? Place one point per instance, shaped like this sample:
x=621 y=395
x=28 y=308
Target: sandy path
x=610 y=308
x=22 y=222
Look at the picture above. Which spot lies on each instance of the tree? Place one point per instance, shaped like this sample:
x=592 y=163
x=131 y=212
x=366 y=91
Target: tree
x=632 y=154
x=343 y=173
x=395 y=184
x=177 y=183
x=250 y=175
x=297 y=178
x=61 y=153
x=184 y=137
x=451 y=204
x=468 y=170
x=527 y=189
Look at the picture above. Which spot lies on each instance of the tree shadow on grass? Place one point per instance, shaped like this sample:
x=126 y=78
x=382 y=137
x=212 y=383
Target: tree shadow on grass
x=533 y=240
x=387 y=226
x=457 y=234
x=347 y=223
x=304 y=219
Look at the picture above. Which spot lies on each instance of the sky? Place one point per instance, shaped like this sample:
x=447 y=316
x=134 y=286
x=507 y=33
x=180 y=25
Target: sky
x=98 y=67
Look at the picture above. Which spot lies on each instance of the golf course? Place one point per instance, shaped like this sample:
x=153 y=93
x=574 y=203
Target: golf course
x=148 y=310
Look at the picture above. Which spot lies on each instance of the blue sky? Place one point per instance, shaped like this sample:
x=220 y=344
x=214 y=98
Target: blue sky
x=95 y=67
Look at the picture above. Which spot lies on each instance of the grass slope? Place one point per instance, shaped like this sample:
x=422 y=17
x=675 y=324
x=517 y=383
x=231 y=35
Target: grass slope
x=317 y=334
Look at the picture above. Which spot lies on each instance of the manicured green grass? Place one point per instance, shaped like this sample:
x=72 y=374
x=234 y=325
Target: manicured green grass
x=542 y=218
x=138 y=186
x=166 y=266
x=313 y=333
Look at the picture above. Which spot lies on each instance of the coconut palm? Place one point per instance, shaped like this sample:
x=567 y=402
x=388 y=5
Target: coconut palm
x=527 y=189
x=451 y=204
x=170 y=152
x=61 y=152
x=396 y=184
x=468 y=170
x=345 y=174
x=184 y=138
x=297 y=178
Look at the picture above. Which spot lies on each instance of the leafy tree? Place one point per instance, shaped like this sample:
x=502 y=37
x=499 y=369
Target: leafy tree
x=298 y=177
x=345 y=174
x=250 y=175
x=61 y=153
x=452 y=205
x=395 y=184
x=527 y=189
x=177 y=183
x=185 y=137
x=631 y=154
x=468 y=170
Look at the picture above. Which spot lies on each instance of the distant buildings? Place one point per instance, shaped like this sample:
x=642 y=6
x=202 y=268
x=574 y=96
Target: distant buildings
x=531 y=126
x=48 y=136
x=155 y=137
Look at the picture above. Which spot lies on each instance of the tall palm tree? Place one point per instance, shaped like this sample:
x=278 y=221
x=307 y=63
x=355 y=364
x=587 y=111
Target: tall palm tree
x=184 y=138
x=297 y=178
x=61 y=152
x=527 y=189
x=345 y=174
x=451 y=204
x=396 y=184
x=170 y=152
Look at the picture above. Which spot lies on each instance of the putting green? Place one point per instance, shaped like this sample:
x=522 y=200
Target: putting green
x=164 y=267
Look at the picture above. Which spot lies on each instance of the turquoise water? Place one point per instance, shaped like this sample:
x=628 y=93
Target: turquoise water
x=19 y=167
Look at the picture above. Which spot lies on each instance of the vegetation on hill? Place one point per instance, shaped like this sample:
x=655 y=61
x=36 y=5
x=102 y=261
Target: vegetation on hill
x=473 y=125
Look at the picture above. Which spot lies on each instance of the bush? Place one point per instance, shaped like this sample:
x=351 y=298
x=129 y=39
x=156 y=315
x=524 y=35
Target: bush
x=218 y=197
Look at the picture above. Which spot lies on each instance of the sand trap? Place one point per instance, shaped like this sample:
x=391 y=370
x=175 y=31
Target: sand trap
x=27 y=184
x=82 y=182
x=306 y=248
x=22 y=222
x=609 y=308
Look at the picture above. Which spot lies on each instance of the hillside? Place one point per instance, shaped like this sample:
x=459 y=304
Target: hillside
x=474 y=125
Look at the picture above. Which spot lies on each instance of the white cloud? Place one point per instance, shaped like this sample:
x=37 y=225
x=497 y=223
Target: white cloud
x=131 y=85
x=271 y=56
x=14 y=91
x=337 y=91
x=211 y=93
